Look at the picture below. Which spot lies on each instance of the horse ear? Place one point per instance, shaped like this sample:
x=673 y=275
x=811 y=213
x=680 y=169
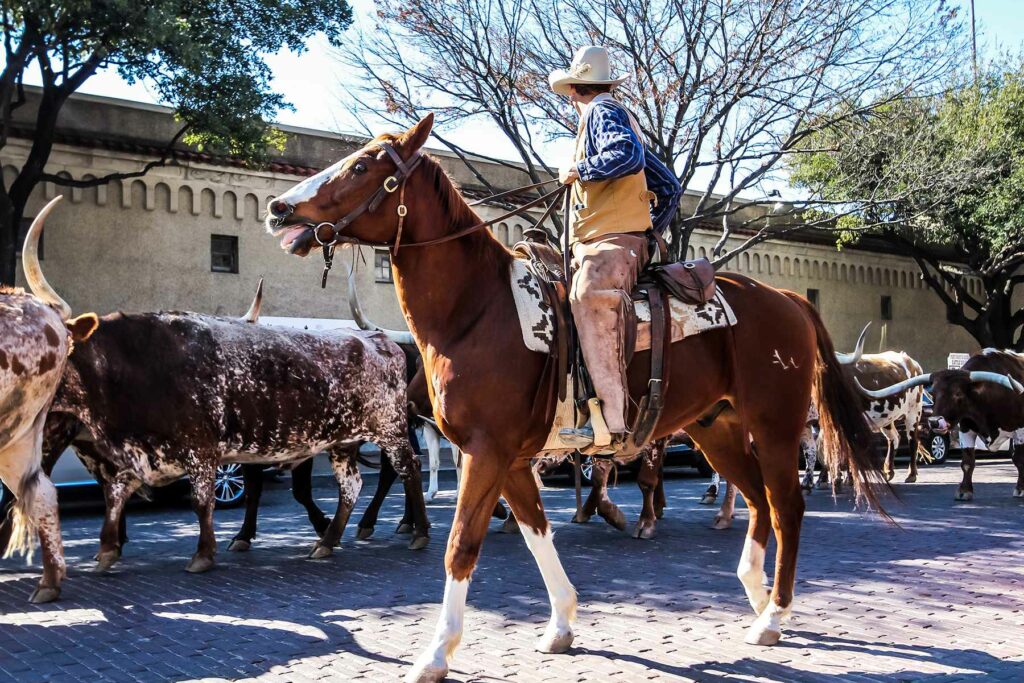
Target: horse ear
x=414 y=138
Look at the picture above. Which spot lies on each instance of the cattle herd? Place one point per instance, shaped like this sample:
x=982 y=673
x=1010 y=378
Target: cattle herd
x=145 y=398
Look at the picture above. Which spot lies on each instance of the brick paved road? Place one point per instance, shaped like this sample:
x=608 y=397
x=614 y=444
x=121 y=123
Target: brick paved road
x=940 y=600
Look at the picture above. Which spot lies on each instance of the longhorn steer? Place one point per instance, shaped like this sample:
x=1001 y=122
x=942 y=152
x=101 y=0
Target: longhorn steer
x=167 y=394
x=984 y=399
x=34 y=346
x=875 y=370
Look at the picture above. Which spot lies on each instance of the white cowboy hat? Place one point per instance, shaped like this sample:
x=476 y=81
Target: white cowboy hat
x=589 y=67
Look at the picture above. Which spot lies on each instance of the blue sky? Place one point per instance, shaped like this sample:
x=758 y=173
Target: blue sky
x=310 y=81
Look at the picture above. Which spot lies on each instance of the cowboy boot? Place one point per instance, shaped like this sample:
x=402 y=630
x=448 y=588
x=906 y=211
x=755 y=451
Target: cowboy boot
x=600 y=320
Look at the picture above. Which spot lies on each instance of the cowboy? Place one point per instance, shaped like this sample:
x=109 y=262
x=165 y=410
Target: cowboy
x=620 y=192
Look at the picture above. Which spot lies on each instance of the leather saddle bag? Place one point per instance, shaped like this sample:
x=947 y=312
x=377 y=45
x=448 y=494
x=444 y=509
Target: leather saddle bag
x=690 y=281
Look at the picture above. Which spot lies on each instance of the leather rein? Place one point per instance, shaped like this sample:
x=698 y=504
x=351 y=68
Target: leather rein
x=329 y=235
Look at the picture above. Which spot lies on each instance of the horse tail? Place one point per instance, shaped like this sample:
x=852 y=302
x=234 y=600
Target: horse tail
x=847 y=439
x=23 y=526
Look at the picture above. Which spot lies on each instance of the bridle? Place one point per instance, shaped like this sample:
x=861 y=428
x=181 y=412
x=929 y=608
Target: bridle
x=329 y=235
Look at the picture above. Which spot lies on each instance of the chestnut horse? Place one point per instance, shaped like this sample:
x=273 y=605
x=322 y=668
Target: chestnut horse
x=452 y=281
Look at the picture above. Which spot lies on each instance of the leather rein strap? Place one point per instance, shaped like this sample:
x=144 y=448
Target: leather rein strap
x=328 y=235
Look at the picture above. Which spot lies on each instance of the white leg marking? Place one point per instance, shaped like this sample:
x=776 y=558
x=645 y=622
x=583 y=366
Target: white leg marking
x=434 y=456
x=457 y=459
x=751 y=574
x=432 y=665
x=558 y=635
x=767 y=628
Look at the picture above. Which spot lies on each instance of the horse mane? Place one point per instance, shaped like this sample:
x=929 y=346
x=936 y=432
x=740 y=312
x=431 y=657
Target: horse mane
x=455 y=208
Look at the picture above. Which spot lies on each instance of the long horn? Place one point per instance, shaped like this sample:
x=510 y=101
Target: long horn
x=253 y=314
x=363 y=322
x=1004 y=380
x=37 y=283
x=851 y=358
x=895 y=388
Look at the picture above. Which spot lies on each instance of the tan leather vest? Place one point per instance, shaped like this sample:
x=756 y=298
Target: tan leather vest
x=603 y=207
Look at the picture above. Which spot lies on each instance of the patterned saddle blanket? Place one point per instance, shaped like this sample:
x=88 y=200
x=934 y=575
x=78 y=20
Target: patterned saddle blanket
x=537 y=320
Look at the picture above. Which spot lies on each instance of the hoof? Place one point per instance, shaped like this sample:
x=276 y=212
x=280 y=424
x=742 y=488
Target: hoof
x=320 y=551
x=643 y=531
x=965 y=495
x=1018 y=493
x=708 y=499
x=580 y=518
x=500 y=511
x=404 y=528
x=721 y=522
x=762 y=636
x=363 y=532
x=511 y=526
x=431 y=494
x=807 y=488
x=426 y=673
x=419 y=542
x=658 y=514
x=555 y=643
x=911 y=478
x=239 y=545
x=199 y=564
x=107 y=559
x=44 y=594
x=822 y=485
x=617 y=520
x=888 y=475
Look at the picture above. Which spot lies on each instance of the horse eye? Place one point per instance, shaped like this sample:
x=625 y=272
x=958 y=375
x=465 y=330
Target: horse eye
x=359 y=167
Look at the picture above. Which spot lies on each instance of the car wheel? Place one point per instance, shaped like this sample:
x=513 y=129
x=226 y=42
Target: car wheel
x=587 y=470
x=939 y=448
x=229 y=486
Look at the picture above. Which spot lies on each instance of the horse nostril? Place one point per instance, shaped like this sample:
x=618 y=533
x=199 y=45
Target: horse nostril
x=279 y=209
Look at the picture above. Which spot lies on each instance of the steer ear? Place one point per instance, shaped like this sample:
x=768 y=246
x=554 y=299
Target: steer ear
x=414 y=138
x=82 y=327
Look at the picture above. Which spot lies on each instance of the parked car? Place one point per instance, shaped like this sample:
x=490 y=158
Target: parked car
x=939 y=445
x=69 y=474
x=679 y=453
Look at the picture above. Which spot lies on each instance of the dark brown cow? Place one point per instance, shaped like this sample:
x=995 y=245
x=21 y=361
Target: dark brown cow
x=984 y=400
x=166 y=394
x=452 y=280
x=36 y=333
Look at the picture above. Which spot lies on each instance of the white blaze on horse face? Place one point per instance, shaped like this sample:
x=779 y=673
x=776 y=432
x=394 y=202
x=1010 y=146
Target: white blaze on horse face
x=751 y=574
x=558 y=635
x=308 y=188
x=432 y=665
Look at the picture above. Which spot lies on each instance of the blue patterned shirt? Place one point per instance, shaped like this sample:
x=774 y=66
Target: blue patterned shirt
x=613 y=150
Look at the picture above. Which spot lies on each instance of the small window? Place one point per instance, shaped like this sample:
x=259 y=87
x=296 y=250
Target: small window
x=814 y=296
x=26 y=223
x=382 y=265
x=886 y=307
x=223 y=253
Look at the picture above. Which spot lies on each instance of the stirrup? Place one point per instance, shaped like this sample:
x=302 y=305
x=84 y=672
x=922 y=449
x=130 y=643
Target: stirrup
x=580 y=437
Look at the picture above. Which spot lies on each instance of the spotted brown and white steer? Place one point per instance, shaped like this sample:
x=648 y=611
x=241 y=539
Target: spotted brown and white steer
x=985 y=399
x=875 y=370
x=167 y=394
x=35 y=338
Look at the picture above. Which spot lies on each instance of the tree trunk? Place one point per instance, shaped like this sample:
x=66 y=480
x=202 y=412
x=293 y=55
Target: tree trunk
x=8 y=240
x=1000 y=325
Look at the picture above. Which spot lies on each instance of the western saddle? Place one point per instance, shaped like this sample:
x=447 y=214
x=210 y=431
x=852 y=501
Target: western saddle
x=692 y=282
